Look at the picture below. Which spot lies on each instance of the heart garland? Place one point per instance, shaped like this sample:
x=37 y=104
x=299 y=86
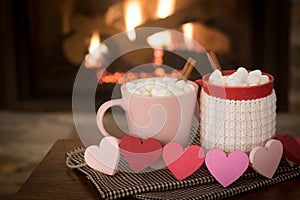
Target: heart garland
x=140 y=155
x=265 y=160
x=184 y=162
x=291 y=147
x=298 y=140
x=105 y=157
x=226 y=169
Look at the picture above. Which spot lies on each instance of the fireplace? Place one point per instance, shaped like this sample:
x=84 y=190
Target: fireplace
x=48 y=40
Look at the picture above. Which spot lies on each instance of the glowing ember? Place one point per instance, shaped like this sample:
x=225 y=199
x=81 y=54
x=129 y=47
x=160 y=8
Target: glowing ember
x=158 y=56
x=133 y=17
x=165 y=8
x=121 y=77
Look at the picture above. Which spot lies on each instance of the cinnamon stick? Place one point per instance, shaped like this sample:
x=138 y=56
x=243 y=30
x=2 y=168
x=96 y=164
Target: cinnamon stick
x=187 y=69
x=212 y=57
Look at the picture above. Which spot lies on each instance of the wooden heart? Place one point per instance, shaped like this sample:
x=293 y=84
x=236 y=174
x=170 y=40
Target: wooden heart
x=298 y=140
x=291 y=147
x=105 y=157
x=265 y=160
x=140 y=155
x=183 y=163
x=226 y=169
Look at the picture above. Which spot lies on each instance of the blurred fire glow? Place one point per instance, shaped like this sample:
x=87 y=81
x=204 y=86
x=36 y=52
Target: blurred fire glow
x=122 y=77
x=165 y=8
x=133 y=17
x=160 y=39
x=95 y=51
x=188 y=31
x=94 y=42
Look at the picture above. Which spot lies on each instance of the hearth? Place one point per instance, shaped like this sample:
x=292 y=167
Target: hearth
x=51 y=39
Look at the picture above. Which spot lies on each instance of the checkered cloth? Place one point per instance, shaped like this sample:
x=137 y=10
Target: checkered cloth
x=161 y=184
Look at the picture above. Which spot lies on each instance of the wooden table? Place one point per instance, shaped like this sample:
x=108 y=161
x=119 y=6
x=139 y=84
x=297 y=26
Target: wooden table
x=53 y=180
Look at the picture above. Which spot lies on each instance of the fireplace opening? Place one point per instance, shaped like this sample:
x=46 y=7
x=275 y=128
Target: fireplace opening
x=51 y=39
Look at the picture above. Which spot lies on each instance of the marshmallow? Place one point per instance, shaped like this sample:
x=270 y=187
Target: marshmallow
x=242 y=70
x=255 y=73
x=145 y=93
x=157 y=87
x=136 y=92
x=234 y=80
x=239 y=78
x=252 y=79
x=243 y=74
x=253 y=84
x=180 y=84
x=263 y=79
x=139 y=85
x=216 y=78
x=160 y=92
x=149 y=86
x=130 y=87
x=168 y=80
x=175 y=90
x=159 y=83
x=149 y=83
x=224 y=80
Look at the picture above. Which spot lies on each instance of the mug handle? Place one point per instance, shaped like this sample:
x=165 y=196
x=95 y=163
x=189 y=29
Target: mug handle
x=102 y=110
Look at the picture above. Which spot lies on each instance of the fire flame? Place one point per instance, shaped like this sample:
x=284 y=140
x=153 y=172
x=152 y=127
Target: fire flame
x=94 y=42
x=188 y=31
x=165 y=8
x=133 y=17
x=97 y=51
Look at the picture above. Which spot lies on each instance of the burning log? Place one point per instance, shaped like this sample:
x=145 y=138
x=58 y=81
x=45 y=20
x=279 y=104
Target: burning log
x=75 y=46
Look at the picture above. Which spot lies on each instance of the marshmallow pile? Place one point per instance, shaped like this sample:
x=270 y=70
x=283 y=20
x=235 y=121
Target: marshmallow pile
x=159 y=87
x=239 y=78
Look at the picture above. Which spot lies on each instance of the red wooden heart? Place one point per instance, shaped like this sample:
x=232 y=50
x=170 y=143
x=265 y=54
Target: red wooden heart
x=298 y=140
x=183 y=163
x=140 y=155
x=291 y=147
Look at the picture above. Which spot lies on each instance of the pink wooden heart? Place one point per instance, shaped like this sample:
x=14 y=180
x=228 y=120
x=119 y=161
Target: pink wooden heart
x=105 y=157
x=226 y=169
x=183 y=163
x=140 y=155
x=265 y=160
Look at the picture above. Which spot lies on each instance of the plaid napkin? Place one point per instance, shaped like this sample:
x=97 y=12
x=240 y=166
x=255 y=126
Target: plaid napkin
x=161 y=184
x=216 y=191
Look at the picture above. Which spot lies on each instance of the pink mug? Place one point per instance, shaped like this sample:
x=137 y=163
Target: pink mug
x=167 y=118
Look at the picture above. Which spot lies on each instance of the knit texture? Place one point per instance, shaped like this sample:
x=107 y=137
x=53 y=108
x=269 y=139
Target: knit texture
x=236 y=124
